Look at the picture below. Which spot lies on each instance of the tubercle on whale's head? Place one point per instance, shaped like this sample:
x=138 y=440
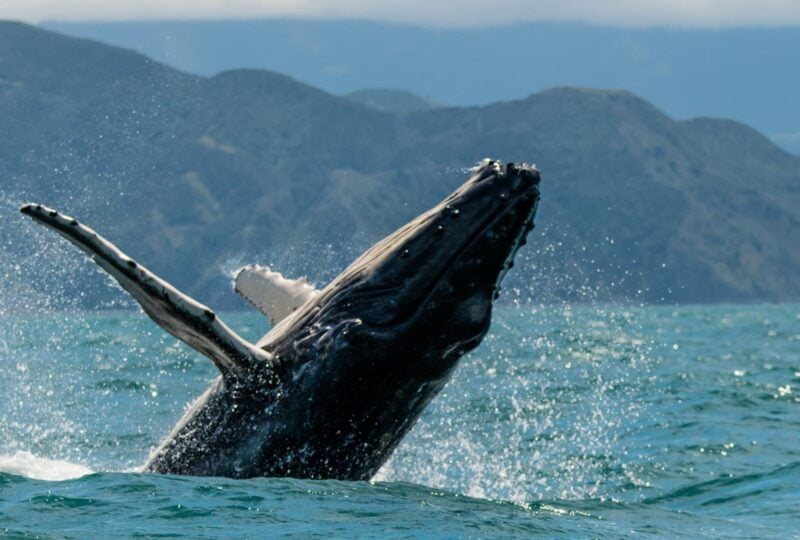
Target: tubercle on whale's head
x=427 y=289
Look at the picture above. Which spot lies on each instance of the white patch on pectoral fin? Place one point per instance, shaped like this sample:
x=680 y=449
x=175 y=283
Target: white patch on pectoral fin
x=274 y=295
x=175 y=312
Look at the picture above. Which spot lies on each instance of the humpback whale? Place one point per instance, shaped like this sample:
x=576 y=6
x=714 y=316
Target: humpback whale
x=345 y=371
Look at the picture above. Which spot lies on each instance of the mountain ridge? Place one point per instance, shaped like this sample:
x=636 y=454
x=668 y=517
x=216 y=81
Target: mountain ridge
x=252 y=166
x=686 y=72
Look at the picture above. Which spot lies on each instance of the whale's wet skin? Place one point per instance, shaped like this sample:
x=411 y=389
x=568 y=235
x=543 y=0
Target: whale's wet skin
x=331 y=390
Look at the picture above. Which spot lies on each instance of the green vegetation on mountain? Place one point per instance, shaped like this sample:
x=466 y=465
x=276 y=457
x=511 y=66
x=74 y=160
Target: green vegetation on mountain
x=194 y=175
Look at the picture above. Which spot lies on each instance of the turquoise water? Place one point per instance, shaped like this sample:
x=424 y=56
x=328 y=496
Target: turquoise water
x=591 y=421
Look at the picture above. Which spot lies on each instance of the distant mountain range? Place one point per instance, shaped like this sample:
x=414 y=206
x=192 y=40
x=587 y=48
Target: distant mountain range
x=747 y=74
x=194 y=175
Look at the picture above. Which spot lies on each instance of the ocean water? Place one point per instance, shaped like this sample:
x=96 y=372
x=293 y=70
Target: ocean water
x=568 y=421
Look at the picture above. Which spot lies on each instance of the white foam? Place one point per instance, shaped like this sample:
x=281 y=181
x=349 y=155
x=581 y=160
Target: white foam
x=31 y=466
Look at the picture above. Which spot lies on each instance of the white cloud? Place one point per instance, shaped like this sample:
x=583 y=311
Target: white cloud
x=702 y=13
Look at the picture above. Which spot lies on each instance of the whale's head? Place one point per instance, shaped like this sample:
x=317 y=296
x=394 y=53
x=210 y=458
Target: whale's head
x=427 y=289
x=373 y=348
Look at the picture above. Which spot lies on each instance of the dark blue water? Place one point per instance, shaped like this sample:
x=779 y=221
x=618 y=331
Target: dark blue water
x=592 y=421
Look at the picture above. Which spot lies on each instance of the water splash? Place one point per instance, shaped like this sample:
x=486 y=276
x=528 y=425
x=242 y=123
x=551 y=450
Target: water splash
x=42 y=273
x=556 y=395
x=31 y=466
x=561 y=374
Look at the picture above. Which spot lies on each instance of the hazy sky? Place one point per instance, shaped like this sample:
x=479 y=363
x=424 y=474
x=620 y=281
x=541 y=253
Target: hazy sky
x=696 y=13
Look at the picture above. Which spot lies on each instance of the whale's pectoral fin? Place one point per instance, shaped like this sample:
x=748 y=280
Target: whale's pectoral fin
x=178 y=314
x=274 y=295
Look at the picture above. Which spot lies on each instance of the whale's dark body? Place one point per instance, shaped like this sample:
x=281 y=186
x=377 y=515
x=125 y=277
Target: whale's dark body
x=332 y=389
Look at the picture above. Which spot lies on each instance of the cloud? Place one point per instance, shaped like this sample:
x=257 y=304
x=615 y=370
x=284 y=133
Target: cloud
x=636 y=13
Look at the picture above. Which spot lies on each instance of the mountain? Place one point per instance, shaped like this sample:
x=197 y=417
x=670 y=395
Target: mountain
x=194 y=176
x=747 y=74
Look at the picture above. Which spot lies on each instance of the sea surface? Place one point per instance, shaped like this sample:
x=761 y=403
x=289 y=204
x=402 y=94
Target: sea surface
x=568 y=422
